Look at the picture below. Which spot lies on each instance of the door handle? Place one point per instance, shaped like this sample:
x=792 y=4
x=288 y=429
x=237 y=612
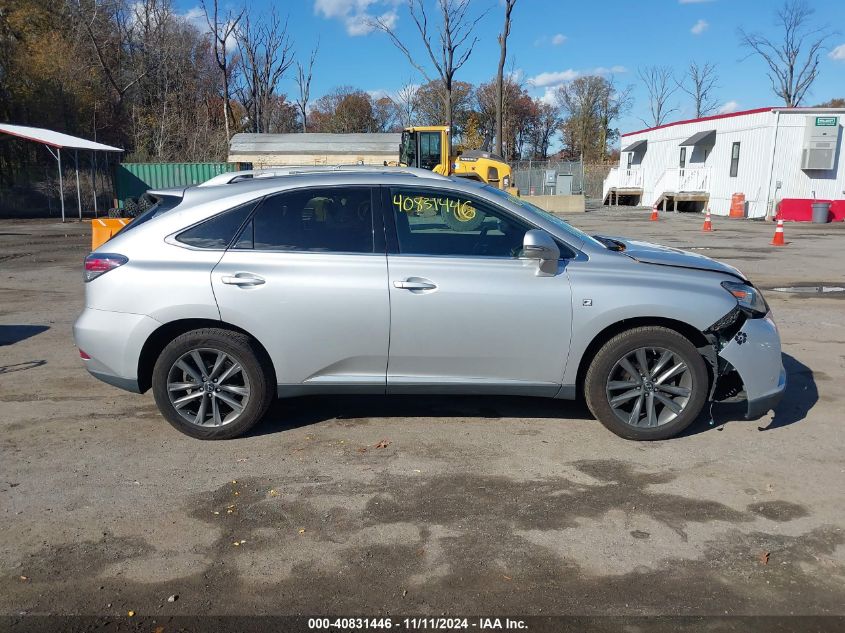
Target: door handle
x=242 y=279
x=407 y=284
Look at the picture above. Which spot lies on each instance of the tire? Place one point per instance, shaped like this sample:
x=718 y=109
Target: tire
x=252 y=388
x=115 y=213
x=456 y=224
x=613 y=392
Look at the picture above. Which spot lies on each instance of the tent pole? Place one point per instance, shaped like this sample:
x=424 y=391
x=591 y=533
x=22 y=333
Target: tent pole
x=78 y=194
x=61 y=183
x=94 y=180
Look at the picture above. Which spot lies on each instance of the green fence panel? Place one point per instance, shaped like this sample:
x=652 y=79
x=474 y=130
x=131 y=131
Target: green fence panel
x=133 y=179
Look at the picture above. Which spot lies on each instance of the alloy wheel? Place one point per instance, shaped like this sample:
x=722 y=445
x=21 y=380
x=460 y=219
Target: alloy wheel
x=208 y=387
x=649 y=387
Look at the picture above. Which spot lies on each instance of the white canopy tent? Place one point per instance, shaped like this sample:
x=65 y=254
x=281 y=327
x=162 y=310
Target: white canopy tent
x=59 y=141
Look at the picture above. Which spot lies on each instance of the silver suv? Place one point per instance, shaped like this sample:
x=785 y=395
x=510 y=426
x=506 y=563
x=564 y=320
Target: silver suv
x=399 y=281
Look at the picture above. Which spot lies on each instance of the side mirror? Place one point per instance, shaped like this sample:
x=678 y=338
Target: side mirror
x=539 y=245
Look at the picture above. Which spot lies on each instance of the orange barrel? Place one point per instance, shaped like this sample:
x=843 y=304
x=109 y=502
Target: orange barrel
x=738 y=205
x=103 y=229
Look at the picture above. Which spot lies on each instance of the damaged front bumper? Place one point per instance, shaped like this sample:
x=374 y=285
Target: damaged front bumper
x=754 y=352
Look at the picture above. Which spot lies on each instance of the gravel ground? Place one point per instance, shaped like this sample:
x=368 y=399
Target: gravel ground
x=473 y=505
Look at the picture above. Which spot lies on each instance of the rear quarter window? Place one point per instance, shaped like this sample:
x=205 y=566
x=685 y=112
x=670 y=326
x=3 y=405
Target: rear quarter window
x=162 y=205
x=217 y=232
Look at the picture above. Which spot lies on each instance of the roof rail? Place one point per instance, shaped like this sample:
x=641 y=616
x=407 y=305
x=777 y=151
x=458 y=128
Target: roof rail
x=277 y=172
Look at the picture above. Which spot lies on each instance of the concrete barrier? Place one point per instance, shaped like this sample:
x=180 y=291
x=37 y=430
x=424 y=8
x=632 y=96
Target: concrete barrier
x=559 y=204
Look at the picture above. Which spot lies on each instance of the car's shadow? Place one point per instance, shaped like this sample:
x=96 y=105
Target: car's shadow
x=801 y=395
x=294 y=413
x=11 y=334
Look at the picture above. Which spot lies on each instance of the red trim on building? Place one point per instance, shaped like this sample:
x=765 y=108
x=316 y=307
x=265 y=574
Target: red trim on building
x=704 y=118
x=30 y=138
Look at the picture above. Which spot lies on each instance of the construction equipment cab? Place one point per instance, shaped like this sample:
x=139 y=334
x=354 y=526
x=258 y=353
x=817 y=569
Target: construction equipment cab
x=428 y=147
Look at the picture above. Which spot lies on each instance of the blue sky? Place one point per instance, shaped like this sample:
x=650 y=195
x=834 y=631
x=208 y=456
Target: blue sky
x=552 y=41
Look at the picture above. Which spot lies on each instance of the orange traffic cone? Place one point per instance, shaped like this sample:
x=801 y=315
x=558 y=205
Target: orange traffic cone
x=708 y=225
x=654 y=213
x=777 y=240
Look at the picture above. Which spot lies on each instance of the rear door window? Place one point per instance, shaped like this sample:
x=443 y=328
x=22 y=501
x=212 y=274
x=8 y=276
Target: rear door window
x=326 y=219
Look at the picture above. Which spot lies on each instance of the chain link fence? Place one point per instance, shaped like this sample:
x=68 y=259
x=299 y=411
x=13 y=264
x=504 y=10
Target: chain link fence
x=594 y=177
x=548 y=177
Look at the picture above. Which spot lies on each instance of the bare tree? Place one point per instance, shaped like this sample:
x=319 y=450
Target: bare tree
x=545 y=121
x=114 y=61
x=613 y=102
x=590 y=105
x=405 y=100
x=794 y=61
x=265 y=57
x=303 y=81
x=447 y=56
x=699 y=82
x=660 y=85
x=500 y=74
x=223 y=30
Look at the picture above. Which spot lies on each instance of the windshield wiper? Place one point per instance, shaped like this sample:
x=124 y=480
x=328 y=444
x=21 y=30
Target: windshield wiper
x=612 y=245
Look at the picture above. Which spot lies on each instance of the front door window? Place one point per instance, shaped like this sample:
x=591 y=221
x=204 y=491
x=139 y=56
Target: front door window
x=437 y=223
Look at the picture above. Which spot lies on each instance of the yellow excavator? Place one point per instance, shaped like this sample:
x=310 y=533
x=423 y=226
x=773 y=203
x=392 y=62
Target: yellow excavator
x=427 y=147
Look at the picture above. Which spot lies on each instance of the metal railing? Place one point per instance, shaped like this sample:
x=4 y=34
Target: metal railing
x=623 y=178
x=677 y=180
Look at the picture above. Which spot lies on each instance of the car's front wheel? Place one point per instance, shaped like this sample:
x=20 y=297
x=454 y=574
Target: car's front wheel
x=647 y=383
x=212 y=384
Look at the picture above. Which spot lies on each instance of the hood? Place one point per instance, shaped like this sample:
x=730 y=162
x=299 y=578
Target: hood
x=649 y=253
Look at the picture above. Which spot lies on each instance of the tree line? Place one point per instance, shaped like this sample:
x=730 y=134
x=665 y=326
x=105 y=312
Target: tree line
x=176 y=87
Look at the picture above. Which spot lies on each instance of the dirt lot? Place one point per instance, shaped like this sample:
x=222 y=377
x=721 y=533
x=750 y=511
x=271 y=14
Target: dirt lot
x=474 y=506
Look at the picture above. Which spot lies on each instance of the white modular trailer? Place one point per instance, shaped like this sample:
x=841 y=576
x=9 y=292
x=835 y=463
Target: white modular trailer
x=766 y=154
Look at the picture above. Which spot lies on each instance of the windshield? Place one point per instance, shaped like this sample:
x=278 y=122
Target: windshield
x=556 y=220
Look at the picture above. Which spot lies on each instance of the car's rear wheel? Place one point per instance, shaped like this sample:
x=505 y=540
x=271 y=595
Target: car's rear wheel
x=647 y=383
x=212 y=384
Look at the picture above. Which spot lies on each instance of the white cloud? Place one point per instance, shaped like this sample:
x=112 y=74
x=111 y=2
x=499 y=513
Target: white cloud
x=516 y=75
x=548 y=96
x=558 y=39
x=838 y=53
x=553 y=78
x=196 y=16
x=730 y=106
x=356 y=14
x=699 y=27
x=613 y=70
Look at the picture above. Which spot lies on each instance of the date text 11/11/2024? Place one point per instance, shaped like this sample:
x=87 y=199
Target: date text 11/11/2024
x=417 y=624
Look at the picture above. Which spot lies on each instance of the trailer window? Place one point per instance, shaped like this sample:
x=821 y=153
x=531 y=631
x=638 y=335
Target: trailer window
x=734 y=160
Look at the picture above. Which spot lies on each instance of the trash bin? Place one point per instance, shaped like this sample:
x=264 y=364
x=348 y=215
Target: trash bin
x=821 y=212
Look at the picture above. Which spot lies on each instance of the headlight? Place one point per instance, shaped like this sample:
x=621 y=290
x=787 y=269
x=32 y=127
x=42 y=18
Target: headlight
x=747 y=297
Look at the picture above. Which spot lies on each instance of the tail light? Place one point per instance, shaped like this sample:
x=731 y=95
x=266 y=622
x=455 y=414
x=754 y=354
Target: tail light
x=98 y=263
